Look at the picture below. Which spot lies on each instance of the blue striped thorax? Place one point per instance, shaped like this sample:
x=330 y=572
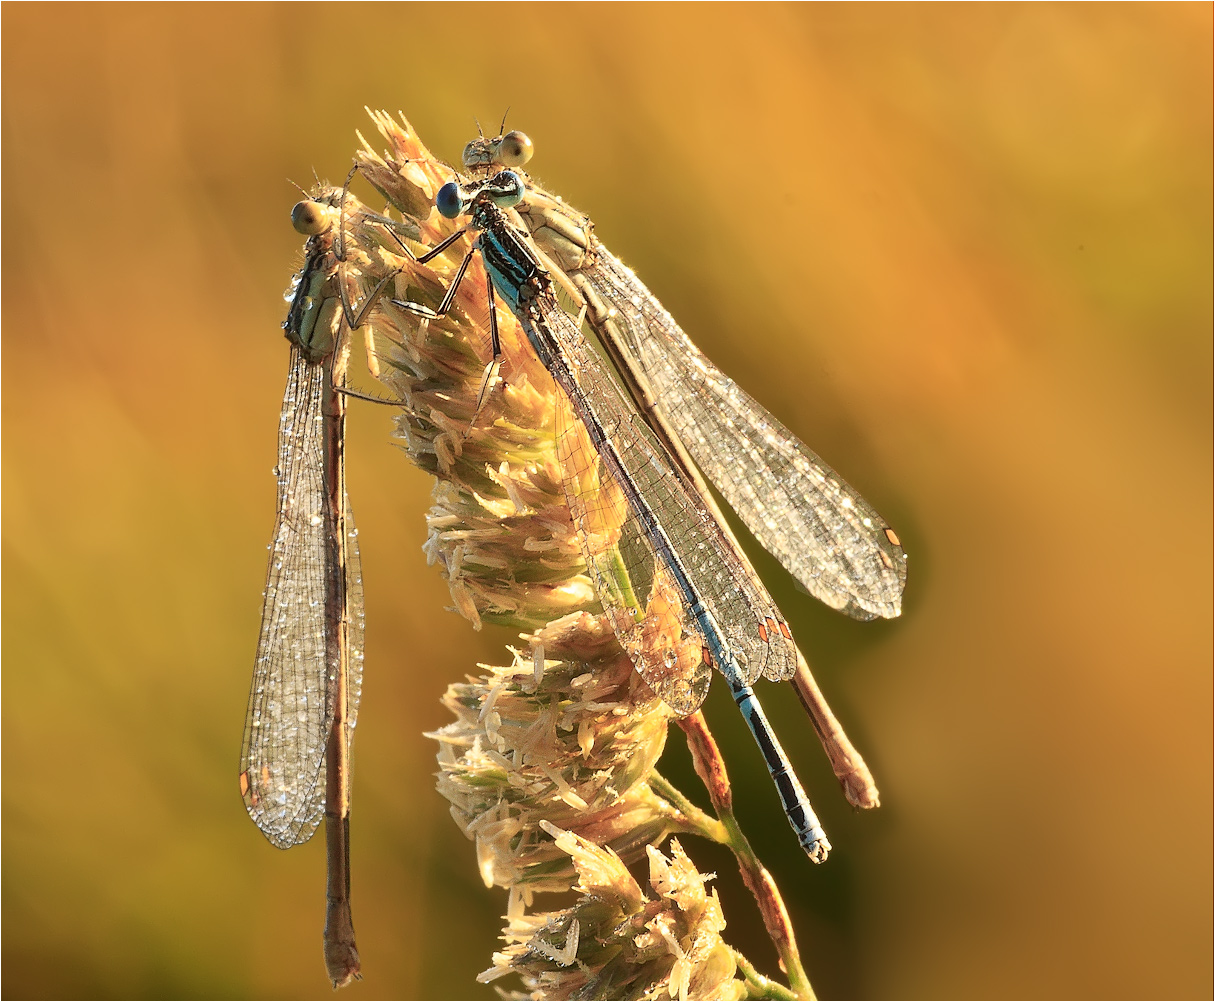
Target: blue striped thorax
x=516 y=272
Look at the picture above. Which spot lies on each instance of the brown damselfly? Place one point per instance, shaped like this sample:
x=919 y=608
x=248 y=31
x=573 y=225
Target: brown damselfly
x=303 y=703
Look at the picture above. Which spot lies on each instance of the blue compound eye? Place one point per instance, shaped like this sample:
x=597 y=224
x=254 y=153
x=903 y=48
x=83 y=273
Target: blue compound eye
x=506 y=189
x=450 y=200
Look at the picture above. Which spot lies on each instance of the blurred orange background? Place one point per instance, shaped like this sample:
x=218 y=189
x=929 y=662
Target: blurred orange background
x=964 y=251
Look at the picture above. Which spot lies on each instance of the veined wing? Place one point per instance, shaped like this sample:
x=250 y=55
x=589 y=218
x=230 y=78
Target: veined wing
x=647 y=613
x=822 y=530
x=356 y=628
x=671 y=584
x=289 y=717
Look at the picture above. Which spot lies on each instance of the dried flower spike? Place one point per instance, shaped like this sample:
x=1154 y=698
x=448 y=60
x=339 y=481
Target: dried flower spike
x=617 y=942
x=549 y=764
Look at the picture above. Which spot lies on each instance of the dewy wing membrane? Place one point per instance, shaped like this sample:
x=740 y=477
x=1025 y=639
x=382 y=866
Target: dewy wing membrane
x=836 y=545
x=736 y=600
x=799 y=509
x=288 y=722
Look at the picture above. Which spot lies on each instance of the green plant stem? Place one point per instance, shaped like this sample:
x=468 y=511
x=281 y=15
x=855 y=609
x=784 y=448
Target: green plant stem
x=758 y=986
x=693 y=818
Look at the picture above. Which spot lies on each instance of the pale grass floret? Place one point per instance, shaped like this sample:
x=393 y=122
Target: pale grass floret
x=617 y=941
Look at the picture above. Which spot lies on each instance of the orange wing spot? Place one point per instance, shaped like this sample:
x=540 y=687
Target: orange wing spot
x=784 y=628
x=885 y=559
x=265 y=775
x=892 y=537
x=763 y=631
x=244 y=783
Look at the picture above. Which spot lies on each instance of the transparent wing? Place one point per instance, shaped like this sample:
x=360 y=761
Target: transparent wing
x=288 y=722
x=647 y=614
x=840 y=549
x=355 y=631
x=671 y=583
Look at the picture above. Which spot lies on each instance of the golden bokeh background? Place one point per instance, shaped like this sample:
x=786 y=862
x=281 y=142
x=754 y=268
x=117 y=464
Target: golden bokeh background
x=964 y=251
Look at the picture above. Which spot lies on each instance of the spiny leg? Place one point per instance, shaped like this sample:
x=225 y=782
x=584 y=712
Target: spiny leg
x=495 y=362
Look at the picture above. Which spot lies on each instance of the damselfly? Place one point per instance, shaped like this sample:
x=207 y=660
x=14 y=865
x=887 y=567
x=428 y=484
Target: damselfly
x=678 y=595
x=832 y=540
x=304 y=700
x=564 y=241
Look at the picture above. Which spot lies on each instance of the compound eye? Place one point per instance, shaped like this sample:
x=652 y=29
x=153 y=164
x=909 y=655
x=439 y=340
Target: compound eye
x=506 y=189
x=450 y=200
x=514 y=150
x=309 y=217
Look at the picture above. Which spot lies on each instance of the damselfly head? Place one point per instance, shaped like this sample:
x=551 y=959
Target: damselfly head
x=512 y=150
x=505 y=190
x=310 y=217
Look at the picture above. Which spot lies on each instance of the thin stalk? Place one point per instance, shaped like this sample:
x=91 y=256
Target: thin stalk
x=711 y=768
x=758 y=986
x=693 y=819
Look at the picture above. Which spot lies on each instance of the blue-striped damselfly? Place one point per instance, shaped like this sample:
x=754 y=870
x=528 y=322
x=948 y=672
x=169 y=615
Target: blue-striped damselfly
x=651 y=544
